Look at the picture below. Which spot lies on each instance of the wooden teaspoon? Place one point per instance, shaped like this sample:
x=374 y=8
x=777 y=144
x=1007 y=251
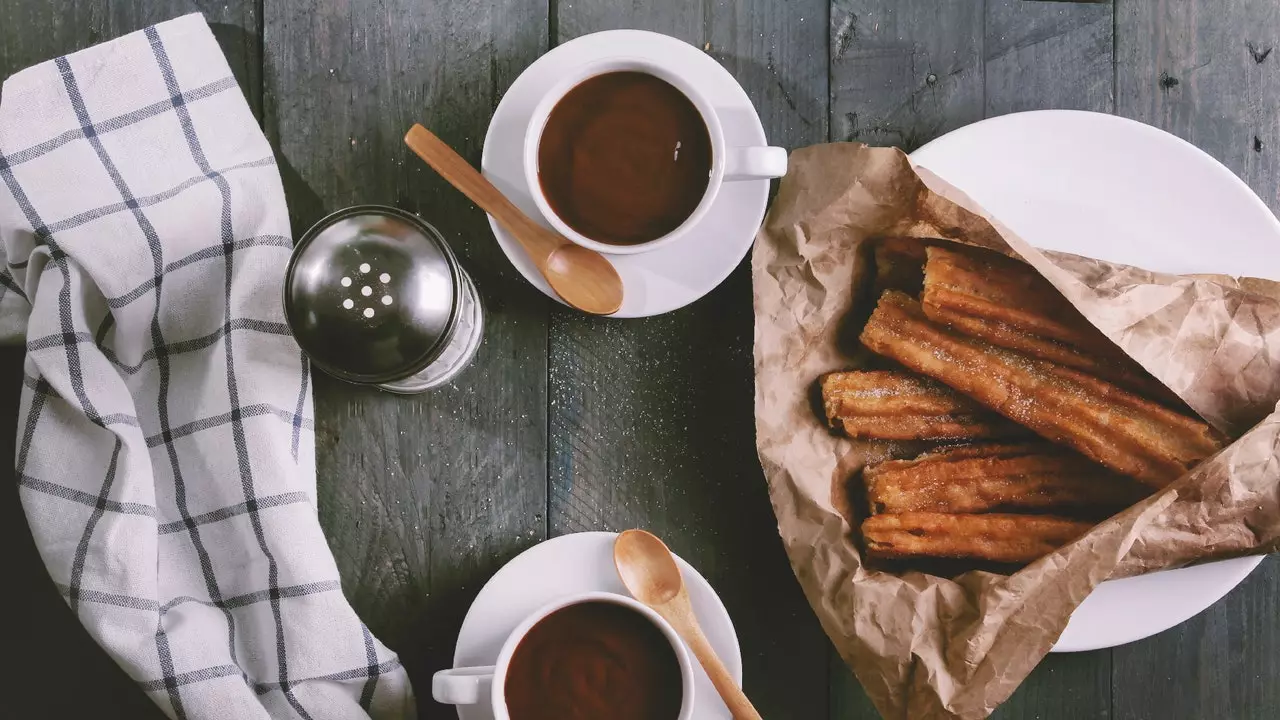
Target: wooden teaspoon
x=583 y=278
x=650 y=572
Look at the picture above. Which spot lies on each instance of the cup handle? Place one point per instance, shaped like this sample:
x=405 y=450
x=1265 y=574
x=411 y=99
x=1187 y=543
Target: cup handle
x=462 y=686
x=754 y=163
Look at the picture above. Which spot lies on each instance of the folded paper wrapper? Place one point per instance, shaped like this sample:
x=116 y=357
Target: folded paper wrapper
x=932 y=647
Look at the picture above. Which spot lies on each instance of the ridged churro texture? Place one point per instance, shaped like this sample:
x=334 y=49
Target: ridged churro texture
x=1123 y=431
x=1007 y=303
x=994 y=537
x=891 y=405
x=1034 y=476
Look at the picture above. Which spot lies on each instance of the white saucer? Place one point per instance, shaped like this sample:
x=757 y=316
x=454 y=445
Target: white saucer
x=673 y=276
x=1106 y=187
x=572 y=564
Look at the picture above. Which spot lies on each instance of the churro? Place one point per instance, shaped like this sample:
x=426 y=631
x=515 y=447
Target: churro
x=983 y=478
x=892 y=405
x=996 y=537
x=1127 y=433
x=1007 y=303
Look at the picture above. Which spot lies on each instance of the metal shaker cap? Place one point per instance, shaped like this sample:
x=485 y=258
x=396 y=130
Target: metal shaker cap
x=372 y=294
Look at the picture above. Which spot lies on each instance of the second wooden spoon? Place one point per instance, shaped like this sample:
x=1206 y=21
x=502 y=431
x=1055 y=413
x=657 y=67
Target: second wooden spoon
x=650 y=573
x=583 y=278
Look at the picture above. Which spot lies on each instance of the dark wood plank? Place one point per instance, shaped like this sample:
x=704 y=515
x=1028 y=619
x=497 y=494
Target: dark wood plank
x=1043 y=55
x=905 y=71
x=1205 y=71
x=1066 y=685
x=422 y=497
x=54 y=646
x=651 y=420
x=1223 y=663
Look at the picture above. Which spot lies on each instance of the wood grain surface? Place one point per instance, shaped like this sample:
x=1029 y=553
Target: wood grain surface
x=1040 y=55
x=567 y=423
x=905 y=71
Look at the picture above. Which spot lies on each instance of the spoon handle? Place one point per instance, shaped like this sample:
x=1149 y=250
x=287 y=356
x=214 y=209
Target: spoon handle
x=454 y=168
x=733 y=697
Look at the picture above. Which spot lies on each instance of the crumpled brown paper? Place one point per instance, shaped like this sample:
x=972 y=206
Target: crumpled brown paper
x=931 y=647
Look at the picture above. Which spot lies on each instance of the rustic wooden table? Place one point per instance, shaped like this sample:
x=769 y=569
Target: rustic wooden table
x=567 y=423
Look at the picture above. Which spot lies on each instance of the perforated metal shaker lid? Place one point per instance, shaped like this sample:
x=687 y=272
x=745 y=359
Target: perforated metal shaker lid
x=372 y=294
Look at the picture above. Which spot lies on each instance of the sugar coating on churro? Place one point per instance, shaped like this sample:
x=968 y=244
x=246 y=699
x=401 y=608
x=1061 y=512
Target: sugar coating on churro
x=1127 y=433
x=994 y=537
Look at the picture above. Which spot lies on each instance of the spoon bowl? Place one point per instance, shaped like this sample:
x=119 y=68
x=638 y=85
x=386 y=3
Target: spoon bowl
x=647 y=568
x=583 y=278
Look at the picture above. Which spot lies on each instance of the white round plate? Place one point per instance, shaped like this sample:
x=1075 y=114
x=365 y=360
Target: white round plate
x=670 y=277
x=578 y=563
x=1115 y=189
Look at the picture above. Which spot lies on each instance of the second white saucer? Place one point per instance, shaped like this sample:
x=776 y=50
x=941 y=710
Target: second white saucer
x=577 y=563
x=673 y=276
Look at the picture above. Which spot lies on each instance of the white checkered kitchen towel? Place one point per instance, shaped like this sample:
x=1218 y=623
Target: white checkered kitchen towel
x=166 y=451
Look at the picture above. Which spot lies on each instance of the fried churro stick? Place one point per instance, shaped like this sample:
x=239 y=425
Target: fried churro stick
x=890 y=405
x=996 y=537
x=1112 y=426
x=981 y=478
x=993 y=450
x=1007 y=303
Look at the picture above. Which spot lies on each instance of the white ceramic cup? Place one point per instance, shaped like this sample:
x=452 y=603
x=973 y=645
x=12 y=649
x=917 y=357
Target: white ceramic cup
x=728 y=164
x=487 y=684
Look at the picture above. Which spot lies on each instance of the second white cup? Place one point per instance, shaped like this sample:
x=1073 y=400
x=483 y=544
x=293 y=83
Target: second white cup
x=487 y=684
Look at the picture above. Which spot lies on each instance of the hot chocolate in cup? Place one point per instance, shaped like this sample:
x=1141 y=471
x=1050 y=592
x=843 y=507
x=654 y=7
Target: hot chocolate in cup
x=594 y=654
x=625 y=156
